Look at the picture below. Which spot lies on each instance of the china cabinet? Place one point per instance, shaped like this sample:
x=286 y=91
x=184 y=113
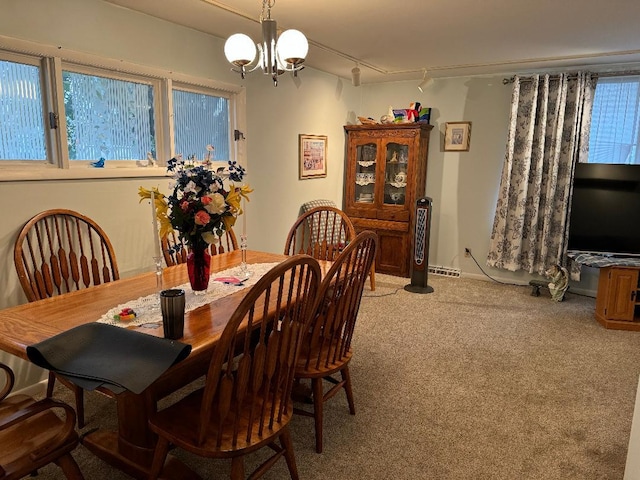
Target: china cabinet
x=385 y=173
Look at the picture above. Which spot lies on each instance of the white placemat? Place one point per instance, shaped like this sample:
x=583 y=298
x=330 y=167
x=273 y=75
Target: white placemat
x=148 y=308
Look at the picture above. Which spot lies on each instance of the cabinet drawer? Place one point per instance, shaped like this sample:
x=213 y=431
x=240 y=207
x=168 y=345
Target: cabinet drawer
x=364 y=212
x=397 y=214
x=370 y=224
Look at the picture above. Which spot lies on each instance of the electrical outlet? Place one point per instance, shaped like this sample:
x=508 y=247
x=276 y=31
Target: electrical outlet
x=467 y=252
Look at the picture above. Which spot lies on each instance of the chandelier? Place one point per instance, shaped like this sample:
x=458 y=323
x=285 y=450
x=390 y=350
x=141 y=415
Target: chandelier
x=276 y=55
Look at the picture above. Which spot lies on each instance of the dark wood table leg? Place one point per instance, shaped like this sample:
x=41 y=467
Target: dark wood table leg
x=130 y=449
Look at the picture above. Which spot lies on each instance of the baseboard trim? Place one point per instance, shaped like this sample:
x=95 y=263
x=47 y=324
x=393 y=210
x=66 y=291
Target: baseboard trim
x=511 y=281
x=36 y=390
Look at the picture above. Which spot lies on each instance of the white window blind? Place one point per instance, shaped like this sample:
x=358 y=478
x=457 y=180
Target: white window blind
x=615 y=120
x=199 y=120
x=108 y=118
x=22 y=133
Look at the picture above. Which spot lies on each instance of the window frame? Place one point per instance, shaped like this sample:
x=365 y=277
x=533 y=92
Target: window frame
x=53 y=60
x=155 y=83
x=42 y=64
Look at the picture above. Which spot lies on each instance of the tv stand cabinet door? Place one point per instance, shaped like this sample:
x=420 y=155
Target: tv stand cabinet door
x=621 y=288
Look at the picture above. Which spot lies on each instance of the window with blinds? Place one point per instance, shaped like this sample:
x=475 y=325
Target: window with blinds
x=108 y=118
x=66 y=114
x=615 y=120
x=22 y=134
x=199 y=120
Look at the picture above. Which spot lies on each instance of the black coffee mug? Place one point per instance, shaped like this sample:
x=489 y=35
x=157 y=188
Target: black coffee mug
x=172 y=305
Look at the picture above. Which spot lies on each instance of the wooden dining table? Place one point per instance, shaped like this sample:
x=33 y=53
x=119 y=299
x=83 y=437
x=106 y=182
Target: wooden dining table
x=130 y=448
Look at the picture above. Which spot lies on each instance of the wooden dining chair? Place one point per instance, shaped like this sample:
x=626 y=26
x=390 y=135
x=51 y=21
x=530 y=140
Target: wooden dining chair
x=326 y=348
x=322 y=230
x=246 y=401
x=60 y=251
x=32 y=435
x=174 y=254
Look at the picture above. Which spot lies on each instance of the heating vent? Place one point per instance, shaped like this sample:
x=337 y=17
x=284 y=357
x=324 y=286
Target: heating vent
x=444 y=271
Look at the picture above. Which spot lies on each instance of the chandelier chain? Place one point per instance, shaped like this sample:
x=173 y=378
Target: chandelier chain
x=267 y=5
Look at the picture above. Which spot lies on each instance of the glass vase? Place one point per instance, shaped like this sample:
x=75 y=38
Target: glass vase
x=198 y=265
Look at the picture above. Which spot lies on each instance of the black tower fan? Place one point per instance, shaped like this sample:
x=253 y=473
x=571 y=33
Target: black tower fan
x=420 y=260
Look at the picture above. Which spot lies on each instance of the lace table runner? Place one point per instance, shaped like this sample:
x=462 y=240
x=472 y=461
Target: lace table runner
x=148 y=308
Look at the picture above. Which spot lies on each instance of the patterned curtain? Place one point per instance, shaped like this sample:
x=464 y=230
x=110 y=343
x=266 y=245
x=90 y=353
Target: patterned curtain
x=548 y=134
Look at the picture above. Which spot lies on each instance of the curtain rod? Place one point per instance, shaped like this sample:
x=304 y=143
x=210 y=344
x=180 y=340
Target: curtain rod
x=506 y=81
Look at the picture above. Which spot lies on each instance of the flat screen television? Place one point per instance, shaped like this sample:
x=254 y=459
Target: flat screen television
x=605 y=209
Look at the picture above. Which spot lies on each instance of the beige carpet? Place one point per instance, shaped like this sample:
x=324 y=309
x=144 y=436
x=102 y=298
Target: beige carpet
x=474 y=381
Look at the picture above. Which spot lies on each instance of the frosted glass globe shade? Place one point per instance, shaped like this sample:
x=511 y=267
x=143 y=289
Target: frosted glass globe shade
x=240 y=49
x=292 y=46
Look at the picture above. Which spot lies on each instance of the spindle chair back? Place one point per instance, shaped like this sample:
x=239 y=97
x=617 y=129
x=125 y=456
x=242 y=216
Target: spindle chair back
x=326 y=348
x=246 y=401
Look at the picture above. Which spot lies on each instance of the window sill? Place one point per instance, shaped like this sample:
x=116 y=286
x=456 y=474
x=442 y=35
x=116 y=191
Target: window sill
x=36 y=174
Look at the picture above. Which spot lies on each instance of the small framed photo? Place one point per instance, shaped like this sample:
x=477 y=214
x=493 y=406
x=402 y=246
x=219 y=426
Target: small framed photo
x=457 y=136
x=313 y=156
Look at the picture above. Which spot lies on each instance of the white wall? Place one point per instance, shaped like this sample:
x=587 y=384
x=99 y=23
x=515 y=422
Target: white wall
x=463 y=185
x=92 y=26
x=100 y=28
x=632 y=468
x=315 y=103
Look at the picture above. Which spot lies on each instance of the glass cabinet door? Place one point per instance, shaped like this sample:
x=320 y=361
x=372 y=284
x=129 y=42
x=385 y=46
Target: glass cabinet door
x=365 y=173
x=395 y=177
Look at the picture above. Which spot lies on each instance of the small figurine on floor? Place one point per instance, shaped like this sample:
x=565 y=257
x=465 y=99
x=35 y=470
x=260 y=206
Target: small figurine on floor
x=559 y=277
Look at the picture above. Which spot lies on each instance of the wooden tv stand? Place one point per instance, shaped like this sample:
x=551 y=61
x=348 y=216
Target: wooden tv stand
x=618 y=298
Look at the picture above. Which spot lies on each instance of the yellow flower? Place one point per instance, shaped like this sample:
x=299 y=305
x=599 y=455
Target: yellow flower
x=161 y=207
x=235 y=195
x=229 y=222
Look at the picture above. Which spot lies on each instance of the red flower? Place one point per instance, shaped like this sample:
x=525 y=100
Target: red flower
x=202 y=217
x=184 y=206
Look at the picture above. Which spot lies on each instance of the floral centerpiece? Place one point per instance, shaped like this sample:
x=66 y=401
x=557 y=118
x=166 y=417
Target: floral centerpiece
x=200 y=209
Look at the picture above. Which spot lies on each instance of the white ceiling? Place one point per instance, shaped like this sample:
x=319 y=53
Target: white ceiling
x=396 y=40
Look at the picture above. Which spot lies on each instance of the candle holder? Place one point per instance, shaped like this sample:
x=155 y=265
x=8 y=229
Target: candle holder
x=244 y=267
x=158 y=263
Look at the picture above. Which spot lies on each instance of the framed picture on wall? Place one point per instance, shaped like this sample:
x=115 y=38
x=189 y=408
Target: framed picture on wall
x=313 y=156
x=457 y=136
